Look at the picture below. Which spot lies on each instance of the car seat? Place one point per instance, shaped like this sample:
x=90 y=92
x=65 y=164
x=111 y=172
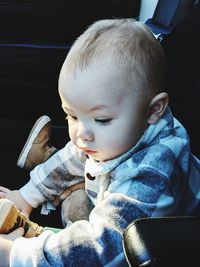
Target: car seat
x=163 y=242
x=174 y=241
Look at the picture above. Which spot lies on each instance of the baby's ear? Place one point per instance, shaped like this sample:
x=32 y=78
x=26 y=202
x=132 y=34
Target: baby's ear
x=157 y=107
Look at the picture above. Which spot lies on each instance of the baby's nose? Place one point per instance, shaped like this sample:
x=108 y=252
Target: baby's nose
x=85 y=133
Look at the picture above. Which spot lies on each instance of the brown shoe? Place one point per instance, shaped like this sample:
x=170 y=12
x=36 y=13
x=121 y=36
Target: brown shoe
x=37 y=148
x=11 y=218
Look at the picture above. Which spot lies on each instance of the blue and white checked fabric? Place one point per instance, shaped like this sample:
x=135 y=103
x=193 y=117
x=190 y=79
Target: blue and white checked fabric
x=158 y=177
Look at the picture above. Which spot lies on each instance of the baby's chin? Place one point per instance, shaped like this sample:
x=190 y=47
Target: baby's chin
x=98 y=158
x=104 y=158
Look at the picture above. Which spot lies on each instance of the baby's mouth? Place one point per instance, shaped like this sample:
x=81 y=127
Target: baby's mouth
x=88 y=151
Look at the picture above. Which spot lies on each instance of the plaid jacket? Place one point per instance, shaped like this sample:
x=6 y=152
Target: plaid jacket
x=157 y=177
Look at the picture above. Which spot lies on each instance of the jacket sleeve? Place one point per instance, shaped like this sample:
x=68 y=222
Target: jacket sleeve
x=49 y=179
x=97 y=242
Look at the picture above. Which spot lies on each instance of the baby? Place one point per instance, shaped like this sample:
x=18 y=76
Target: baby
x=133 y=155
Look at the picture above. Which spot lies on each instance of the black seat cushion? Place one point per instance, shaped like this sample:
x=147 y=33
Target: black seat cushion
x=163 y=242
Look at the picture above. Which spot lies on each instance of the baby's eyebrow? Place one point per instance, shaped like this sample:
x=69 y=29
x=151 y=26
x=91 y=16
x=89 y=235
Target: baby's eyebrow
x=98 y=107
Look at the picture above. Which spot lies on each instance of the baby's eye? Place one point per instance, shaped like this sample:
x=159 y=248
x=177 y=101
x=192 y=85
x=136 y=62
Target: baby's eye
x=103 y=121
x=71 y=117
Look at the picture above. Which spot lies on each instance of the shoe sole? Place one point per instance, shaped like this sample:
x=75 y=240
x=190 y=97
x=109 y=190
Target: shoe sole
x=39 y=124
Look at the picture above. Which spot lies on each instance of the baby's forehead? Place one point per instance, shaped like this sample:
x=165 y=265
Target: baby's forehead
x=110 y=71
x=99 y=79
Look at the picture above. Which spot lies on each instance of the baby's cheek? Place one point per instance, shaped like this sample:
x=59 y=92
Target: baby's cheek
x=113 y=147
x=72 y=135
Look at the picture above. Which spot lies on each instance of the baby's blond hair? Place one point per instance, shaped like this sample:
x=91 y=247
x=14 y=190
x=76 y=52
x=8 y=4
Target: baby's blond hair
x=127 y=42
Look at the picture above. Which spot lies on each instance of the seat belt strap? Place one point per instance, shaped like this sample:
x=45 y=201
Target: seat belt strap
x=164 y=12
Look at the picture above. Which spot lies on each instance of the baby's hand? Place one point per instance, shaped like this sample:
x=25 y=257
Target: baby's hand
x=6 y=245
x=16 y=197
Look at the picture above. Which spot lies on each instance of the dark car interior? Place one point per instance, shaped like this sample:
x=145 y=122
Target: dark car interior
x=34 y=41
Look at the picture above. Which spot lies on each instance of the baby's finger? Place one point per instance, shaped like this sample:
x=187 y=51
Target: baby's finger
x=4 y=189
x=17 y=233
x=4 y=192
x=26 y=213
x=13 y=235
x=3 y=195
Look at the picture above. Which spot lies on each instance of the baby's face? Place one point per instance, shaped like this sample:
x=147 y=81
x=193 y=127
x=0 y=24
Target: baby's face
x=104 y=118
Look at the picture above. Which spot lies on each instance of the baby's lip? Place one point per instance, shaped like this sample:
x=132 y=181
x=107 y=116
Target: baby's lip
x=88 y=151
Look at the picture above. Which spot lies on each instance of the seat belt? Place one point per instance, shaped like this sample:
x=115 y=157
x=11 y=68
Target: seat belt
x=164 y=18
x=164 y=12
